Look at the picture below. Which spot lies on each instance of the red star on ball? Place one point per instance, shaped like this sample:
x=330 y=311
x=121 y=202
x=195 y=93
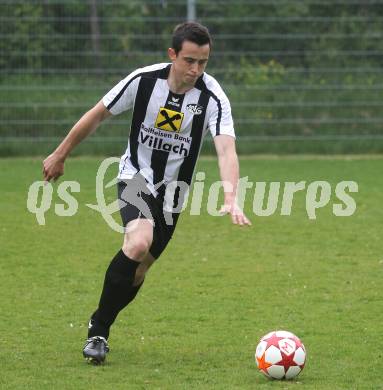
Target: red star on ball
x=287 y=361
x=273 y=340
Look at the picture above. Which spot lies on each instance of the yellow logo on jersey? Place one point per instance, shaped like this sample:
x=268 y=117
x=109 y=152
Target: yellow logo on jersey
x=169 y=120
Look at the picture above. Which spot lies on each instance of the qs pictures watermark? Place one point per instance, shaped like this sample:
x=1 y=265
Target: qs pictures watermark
x=267 y=198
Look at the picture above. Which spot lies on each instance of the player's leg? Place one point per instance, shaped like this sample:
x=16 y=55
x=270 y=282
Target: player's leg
x=120 y=276
x=126 y=273
x=142 y=269
x=120 y=286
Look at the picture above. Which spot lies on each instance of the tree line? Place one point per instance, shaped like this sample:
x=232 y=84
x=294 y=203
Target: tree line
x=73 y=34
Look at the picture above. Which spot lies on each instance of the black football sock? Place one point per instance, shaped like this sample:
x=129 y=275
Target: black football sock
x=132 y=293
x=97 y=328
x=117 y=292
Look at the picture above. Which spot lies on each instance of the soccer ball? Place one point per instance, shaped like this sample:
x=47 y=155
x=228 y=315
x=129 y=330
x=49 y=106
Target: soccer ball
x=280 y=355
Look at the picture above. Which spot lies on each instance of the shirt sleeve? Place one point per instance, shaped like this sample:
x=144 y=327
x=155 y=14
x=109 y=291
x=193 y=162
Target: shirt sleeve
x=220 y=119
x=121 y=97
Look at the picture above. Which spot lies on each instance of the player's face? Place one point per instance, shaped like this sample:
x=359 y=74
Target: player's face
x=190 y=62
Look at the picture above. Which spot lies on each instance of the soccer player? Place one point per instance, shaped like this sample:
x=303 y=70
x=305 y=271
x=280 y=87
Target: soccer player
x=174 y=106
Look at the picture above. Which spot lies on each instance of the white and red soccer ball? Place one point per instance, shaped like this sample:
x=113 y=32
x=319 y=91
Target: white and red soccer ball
x=280 y=355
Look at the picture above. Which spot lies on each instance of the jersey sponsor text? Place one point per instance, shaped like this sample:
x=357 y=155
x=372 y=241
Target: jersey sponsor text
x=166 y=142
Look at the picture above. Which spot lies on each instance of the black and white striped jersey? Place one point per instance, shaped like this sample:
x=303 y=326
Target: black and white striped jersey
x=167 y=129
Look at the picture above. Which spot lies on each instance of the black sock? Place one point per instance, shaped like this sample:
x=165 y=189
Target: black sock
x=118 y=291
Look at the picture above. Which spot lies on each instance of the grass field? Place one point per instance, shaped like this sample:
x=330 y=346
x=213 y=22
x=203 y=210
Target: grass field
x=215 y=291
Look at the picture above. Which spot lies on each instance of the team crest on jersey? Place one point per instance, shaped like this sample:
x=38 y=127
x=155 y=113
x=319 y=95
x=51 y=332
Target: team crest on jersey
x=194 y=109
x=169 y=120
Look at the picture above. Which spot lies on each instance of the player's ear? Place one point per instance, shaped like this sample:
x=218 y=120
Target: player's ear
x=172 y=53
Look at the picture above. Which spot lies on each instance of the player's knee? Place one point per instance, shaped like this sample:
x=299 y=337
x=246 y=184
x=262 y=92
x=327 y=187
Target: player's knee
x=136 y=247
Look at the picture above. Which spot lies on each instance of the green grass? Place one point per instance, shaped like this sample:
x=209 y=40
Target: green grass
x=215 y=291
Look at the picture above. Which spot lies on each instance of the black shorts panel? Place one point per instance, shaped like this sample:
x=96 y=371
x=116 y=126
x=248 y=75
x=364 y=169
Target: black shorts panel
x=137 y=202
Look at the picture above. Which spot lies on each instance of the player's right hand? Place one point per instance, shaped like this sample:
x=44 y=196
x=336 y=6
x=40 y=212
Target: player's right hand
x=53 y=167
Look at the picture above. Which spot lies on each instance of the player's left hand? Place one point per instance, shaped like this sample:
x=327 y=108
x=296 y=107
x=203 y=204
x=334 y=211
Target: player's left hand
x=237 y=215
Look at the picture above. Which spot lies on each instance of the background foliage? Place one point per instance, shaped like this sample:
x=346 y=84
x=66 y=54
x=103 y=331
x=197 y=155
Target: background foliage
x=301 y=76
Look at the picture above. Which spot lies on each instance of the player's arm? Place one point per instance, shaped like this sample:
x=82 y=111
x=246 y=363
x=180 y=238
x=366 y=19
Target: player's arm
x=53 y=165
x=229 y=171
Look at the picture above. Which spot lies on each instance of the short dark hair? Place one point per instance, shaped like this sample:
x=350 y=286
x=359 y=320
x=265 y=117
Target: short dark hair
x=190 y=31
